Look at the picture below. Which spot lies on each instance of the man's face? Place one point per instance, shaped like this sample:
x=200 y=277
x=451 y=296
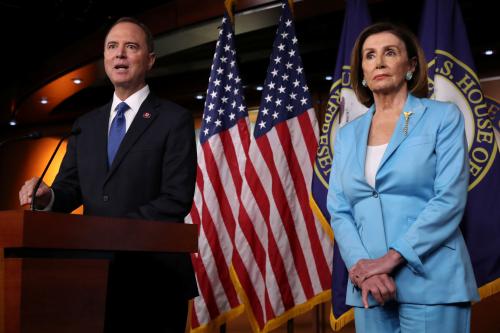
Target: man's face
x=126 y=56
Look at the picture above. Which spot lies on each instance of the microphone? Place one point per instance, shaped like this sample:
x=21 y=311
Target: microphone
x=74 y=131
x=31 y=136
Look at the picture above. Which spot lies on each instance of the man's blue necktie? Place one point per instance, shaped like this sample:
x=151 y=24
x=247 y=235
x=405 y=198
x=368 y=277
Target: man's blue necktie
x=117 y=131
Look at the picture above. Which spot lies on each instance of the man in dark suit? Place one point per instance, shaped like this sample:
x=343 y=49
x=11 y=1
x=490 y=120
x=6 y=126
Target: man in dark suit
x=135 y=157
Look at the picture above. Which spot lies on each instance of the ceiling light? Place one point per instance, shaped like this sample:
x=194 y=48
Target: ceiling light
x=44 y=100
x=13 y=122
x=489 y=52
x=328 y=77
x=77 y=81
x=199 y=96
x=259 y=88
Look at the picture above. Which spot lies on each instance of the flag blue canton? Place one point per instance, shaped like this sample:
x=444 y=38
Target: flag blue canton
x=285 y=94
x=224 y=104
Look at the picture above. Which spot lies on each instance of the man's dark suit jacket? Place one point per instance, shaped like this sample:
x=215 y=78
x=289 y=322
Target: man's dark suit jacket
x=152 y=177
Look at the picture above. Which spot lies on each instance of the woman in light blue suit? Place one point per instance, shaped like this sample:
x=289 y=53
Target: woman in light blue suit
x=397 y=194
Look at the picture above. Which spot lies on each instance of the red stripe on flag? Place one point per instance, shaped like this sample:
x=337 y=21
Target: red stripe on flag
x=211 y=231
x=218 y=188
x=248 y=288
x=244 y=134
x=307 y=214
x=282 y=204
x=201 y=273
x=279 y=198
x=246 y=224
x=194 y=321
x=308 y=134
x=205 y=287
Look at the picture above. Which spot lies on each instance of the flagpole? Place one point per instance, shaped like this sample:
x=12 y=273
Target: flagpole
x=229 y=7
x=230 y=4
x=319 y=323
x=289 y=323
x=290 y=3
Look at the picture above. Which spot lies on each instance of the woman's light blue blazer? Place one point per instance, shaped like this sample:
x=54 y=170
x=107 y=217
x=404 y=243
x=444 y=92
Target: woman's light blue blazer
x=415 y=208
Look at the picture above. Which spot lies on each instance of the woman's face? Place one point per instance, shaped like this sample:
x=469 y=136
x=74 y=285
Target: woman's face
x=385 y=63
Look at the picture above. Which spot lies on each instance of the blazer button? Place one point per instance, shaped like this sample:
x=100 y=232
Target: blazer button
x=105 y=198
x=375 y=194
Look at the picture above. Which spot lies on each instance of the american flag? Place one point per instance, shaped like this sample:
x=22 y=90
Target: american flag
x=284 y=254
x=343 y=106
x=224 y=141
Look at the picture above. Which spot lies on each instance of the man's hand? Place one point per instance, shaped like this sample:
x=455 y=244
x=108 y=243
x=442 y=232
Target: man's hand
x=366 y=268
x=382 y=287
x=43 y=195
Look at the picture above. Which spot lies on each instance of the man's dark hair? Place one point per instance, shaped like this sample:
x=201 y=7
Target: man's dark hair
x=149 y=36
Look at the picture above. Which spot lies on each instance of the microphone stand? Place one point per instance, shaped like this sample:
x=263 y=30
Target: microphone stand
x=76 y=131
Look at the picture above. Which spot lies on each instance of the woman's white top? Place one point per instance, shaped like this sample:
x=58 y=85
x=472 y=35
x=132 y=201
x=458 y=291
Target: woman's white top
x=373 y=158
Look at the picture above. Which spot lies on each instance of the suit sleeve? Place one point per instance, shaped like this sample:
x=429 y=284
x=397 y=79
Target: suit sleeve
x=66 y=186
x=441 y=217
x=178 y=174
x=342 y=221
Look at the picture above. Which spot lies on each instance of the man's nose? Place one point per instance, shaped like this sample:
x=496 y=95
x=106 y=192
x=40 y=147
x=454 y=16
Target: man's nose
x=120 y=52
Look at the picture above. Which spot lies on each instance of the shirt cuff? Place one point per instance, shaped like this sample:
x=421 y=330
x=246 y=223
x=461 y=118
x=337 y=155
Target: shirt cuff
x=412 y=259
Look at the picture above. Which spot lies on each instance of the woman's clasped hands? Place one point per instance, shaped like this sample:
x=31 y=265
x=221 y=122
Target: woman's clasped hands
x=373 y=276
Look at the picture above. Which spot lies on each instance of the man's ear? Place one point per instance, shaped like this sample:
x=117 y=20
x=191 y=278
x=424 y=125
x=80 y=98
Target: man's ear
x=152 y=59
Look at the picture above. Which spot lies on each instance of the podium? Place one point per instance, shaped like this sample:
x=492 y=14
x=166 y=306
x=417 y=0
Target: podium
x=54 y=267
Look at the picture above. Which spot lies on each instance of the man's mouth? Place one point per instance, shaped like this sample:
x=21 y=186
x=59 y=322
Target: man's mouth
x=121 y=67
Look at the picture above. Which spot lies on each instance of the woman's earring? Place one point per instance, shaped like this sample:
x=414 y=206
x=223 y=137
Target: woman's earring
x=364 y=82
x=409 y=75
